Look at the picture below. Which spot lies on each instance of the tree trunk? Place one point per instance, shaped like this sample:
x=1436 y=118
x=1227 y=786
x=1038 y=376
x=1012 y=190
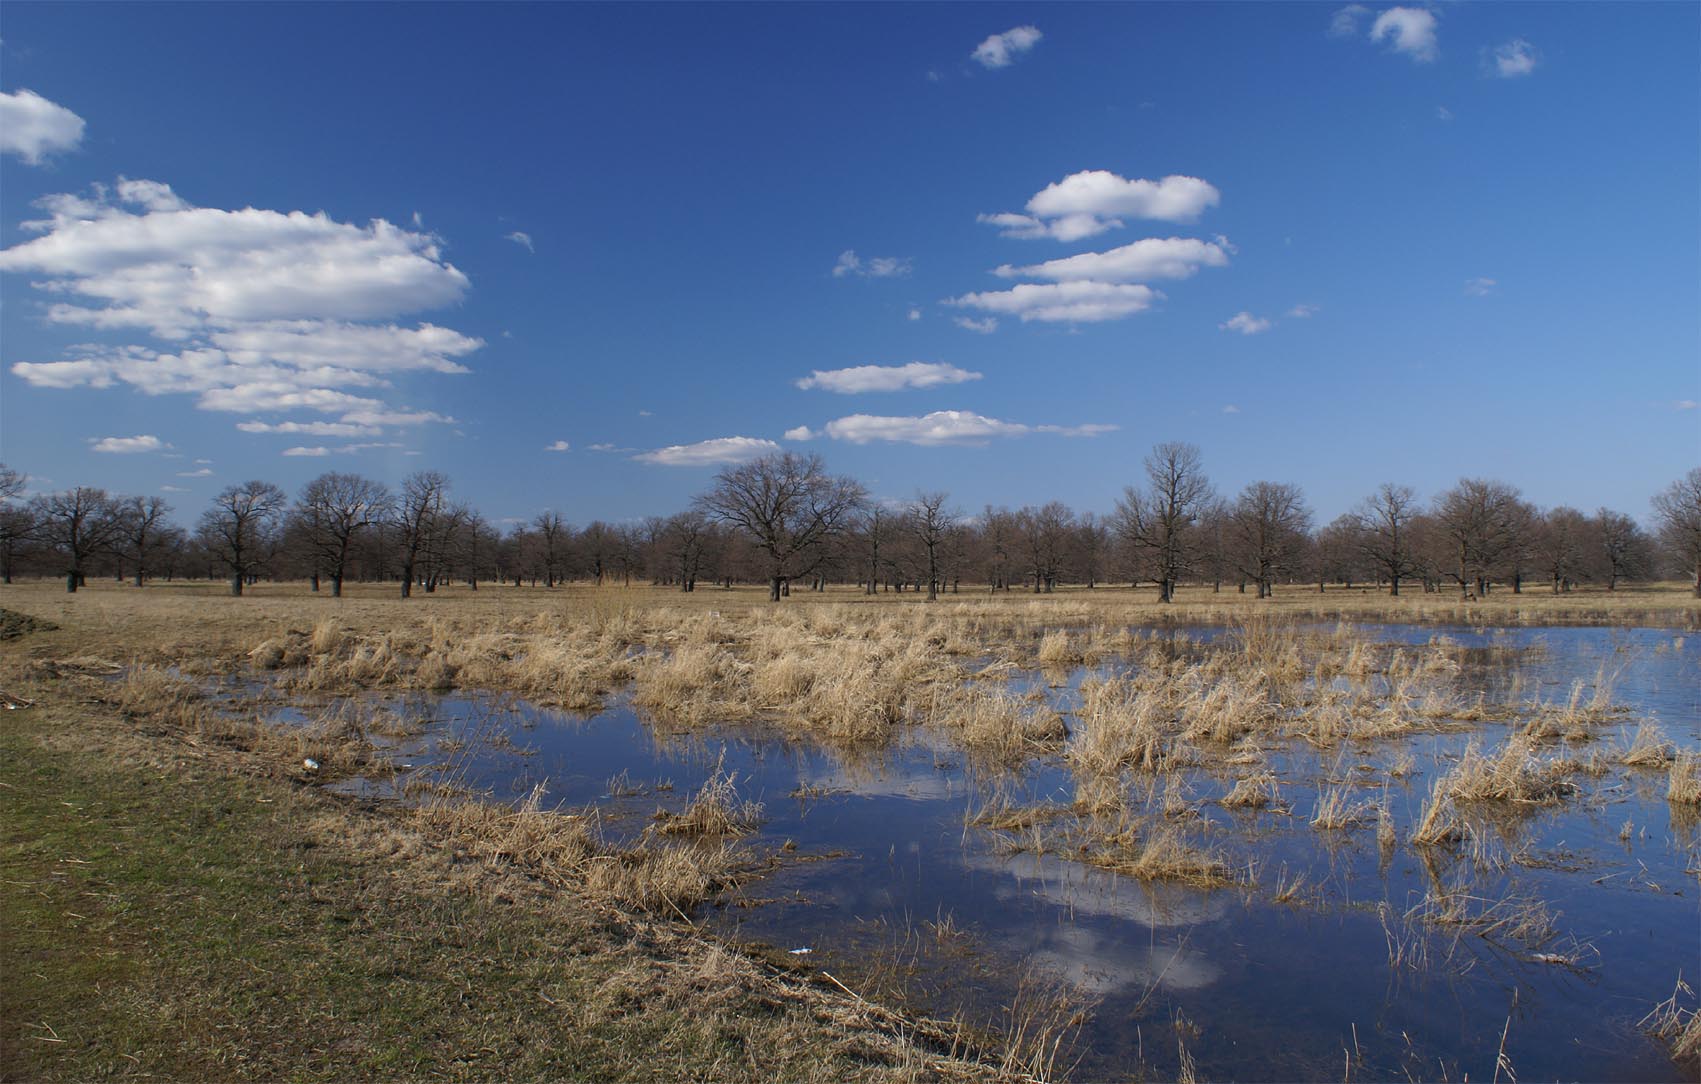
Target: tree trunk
x=407 y=581
x=236 y=584
x=139 y=575
x=774 y=588
x=71 y=583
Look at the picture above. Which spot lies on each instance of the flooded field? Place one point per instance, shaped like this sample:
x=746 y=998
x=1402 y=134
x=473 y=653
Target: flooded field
x=1448 y=853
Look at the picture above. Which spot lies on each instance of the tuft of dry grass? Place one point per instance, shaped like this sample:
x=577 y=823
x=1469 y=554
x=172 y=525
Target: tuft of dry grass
x=715 y=810
x=1684 y=787
x=1165 y=855
x=1675 y=1024
x=1256 y=791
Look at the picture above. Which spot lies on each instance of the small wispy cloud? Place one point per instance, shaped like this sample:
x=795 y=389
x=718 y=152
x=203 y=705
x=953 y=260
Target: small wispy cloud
x=310 y=453
x=1516 y=58
x=719 y=451
x=875 y=267
x=204 y=472
x=1231 y=409
x=1303 y=312
x=1001 y=50
x=1683 y=404
x=1408 y=30
x=127 y=445
x=1246 y=324
x=1480 y=287
x=865 y=378
x=980 y=327
x=520 y=237
x=558 y=446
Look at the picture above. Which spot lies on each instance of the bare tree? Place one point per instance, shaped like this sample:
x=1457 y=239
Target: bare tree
x=333 y=509
x=1157 y=522
x=1678 y=509
x=787 y=505
x=17 y=523
x=141 y=525
x=1044 y=536
x=77 y=524
x=552 y=534
x=1477 y=520
x=418 y=518
x=1387 y=537
x=931 y=522
x=1269 y=532
x=1560 y=539
x=1620 y=545
x=239 y=529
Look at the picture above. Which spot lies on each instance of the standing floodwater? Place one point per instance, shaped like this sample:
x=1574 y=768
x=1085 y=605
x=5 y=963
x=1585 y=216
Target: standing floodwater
x=1302 y=934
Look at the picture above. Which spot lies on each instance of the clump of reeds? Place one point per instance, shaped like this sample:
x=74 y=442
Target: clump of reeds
x=1335 y=809
x=1648 y=749
x=1676 y=1025
x=1684 y=787
x=1439 y=823
x=1256 y=791
x=1516 y=774
x=1165 y=855
x=695 y=683
x=1005 y=726
x=1057 y=650
x=716 y=809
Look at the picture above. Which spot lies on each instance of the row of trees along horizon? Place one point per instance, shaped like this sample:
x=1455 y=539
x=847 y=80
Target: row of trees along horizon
x=784 y=519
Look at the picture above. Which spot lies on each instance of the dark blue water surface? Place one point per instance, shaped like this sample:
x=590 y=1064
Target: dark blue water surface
x=912 y=899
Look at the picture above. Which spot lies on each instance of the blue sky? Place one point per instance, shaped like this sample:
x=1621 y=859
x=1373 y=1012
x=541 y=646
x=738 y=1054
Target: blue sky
x=1342 y=245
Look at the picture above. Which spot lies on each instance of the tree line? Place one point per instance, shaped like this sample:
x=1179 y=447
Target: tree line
x=784 y=520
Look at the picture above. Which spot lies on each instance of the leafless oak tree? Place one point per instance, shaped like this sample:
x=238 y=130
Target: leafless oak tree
x=1386 y=534
x=240 y=528
x=1157 y=522
x=419 y=518
x=787 y=505
x=78 y=524
x=1678 y=509
x=931 y=521
x=333 y=509
x=1270 y=527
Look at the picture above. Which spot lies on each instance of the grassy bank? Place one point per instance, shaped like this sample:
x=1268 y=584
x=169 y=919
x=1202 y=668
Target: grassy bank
x=178 y=910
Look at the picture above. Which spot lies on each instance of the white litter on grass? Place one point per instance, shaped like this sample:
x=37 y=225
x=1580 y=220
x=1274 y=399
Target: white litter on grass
x=310 y=764
x=801 y=951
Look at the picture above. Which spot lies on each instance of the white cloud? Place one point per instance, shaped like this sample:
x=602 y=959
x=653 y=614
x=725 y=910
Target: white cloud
x=1067 y=228
x=984 y=326
x=176 y=269
x=1092 y=201
x=558 y=446
x=1683 y=404
x=915 y=314
x=1103 y=194
x=1407 y=30
x=1346 y=21
x=127 y=445
x=312 y=453
x=1304 y=312
x=802 y=432
x=865 y=378
x=1142 y=261
x=709 y=453
x=204 y=472
x=1063 y=302
x=1480 y=287
x=1517 y=57
x=32 y=127
x=1000 y=50
x=875 y=267
x=1231 y=409
x=602 y=447
x=173 y=489
x=268 y=311
x=1443 y=113
x=941 y=427
x=520 y=237
x=311 y=429
x=1245 y=323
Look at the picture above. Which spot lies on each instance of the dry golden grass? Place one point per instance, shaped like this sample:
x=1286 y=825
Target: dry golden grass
x=1684 y=787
